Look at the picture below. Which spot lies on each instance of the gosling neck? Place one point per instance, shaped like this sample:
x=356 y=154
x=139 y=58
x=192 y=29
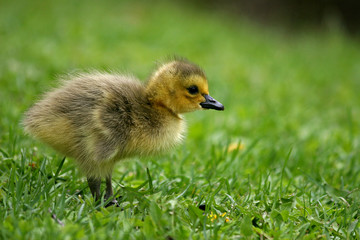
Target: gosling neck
x=157 y=101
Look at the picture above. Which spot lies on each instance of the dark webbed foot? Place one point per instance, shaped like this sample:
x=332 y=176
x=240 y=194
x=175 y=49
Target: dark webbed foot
x=113 y=202
x=94 y=185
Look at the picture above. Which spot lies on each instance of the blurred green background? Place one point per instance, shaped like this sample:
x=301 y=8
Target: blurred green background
x=285 y=89
x=257 y=71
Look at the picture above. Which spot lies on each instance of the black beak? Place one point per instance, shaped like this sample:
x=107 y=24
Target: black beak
x=211 y=103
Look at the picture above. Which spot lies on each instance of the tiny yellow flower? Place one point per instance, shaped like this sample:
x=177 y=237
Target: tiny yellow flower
x=223 y=214
x=212 y=217
x=235 y=146
x=227 y=220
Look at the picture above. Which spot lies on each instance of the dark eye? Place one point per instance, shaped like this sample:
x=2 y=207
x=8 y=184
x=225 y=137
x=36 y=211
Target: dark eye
x=193 y=89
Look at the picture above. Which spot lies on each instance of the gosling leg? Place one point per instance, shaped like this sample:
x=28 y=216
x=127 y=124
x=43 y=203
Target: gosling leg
x=94 y=185
x=109 y=189
x=109 y=193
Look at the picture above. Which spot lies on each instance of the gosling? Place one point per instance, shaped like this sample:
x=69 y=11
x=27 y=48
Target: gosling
x=100 y=118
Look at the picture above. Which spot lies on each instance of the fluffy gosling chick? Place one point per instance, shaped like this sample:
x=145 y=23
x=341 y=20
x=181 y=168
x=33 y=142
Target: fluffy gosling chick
x=99 y=118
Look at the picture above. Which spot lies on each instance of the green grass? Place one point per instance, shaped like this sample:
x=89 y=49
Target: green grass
x=292 y=100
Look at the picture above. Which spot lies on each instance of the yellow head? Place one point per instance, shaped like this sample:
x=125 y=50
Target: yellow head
x=181 y=87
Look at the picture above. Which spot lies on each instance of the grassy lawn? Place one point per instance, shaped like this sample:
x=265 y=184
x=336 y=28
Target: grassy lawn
x=281 y=162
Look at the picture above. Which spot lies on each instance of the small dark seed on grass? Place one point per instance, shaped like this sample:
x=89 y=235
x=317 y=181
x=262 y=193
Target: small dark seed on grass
x=254 y=222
